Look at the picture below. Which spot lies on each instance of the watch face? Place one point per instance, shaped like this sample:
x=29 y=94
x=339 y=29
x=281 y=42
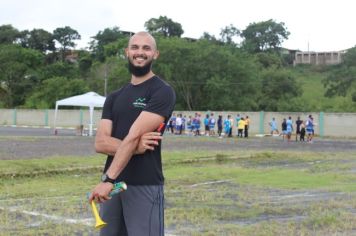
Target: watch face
x=103 y=177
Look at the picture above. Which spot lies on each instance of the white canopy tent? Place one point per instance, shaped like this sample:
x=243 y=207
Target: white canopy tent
x=90 y=99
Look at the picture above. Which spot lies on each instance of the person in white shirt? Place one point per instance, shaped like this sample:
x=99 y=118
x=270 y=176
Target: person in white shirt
x=179 y=124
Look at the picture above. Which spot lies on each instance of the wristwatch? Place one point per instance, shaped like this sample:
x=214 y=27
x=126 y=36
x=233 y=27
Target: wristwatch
x=105 y=178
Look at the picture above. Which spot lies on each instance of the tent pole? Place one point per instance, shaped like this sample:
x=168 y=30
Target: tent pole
x=91 y=108
x=55 y=120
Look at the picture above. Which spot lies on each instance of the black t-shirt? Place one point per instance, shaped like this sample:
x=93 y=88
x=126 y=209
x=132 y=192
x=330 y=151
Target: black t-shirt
x=298 y=122
x=284 y=125
x=123 y=107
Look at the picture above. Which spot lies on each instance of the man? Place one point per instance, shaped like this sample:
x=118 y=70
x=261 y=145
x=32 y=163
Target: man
x=238 y=118
x=184 y=118
x=129 y=115
x=273 y=125
x=227 y=126
x=240 y=127
x=220 y=125
x=247 y=126
x=197 y=122
x=179 y=124
x=172 y=122
x=190 y=125
x=231 y=125
x=212 y=125
x=298 y=123
x=289 y=128
x=302 y=131
x=206 y=125
x=284 y=128
x=309 y=126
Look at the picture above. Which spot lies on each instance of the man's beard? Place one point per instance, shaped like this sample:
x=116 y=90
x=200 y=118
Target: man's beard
x=139 y=71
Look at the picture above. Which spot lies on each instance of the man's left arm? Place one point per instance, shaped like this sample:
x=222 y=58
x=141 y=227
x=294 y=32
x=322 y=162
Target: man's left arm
x=145 y=122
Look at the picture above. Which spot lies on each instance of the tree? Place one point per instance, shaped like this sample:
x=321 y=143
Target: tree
x=279 y=90
x=165 y=26
x=228 y=33
x=8 y=34
x=342 y=78
x=18 y=72
x=65 y=37
x=109 y=76
x=349 y=58
x=209 y=37
x=103 y=38
x=269 y=59
x=205 y=75
x=60 y=69
x=54 y=89
x=3 y=95
x=264 y=36
x=38 y=39
x=85 y=62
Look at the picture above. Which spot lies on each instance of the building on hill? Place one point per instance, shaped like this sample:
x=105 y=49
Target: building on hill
x=318 y=58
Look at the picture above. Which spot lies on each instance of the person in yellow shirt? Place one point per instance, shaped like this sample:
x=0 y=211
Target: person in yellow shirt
x=240 y=127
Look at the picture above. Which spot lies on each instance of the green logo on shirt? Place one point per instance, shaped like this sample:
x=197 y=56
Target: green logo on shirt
x=139 y=103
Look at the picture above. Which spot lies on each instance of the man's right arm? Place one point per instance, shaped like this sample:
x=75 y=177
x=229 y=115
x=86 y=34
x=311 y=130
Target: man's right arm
x=104 y=143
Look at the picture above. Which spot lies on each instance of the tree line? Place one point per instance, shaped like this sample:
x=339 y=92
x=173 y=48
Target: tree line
x=237 y=70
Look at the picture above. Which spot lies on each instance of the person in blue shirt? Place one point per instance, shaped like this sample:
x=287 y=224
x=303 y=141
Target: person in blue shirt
x=273 y=125
x=196 y=122
x=227 y=126
x=310 y=128
x=184 y=118
x=206 y=125
x=289 y=130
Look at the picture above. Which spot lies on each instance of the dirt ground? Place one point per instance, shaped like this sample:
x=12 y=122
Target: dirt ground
x=22 y=143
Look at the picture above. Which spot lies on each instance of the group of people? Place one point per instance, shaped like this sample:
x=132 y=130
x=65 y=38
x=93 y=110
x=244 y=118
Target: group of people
x=303 y=128
x=181 y=124
x=242 y=125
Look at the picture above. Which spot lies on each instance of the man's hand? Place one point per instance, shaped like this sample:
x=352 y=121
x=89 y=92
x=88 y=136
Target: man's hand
x=148 y=141
x=101 y=192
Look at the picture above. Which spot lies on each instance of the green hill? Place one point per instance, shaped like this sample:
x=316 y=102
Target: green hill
x=311 y=79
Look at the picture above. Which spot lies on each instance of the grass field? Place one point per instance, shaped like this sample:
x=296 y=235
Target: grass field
x=207 y=193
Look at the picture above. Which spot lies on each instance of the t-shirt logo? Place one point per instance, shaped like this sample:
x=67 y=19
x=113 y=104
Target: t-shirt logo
x=139 y=103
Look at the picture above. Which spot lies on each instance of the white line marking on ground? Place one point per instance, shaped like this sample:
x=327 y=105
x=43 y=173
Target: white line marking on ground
x=39 y=198
x=211 y=182
x=87 y=221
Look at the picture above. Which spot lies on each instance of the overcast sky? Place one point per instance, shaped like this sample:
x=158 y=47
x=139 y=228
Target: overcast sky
x=324 y=25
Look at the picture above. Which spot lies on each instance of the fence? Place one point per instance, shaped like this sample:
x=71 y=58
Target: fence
x=327 y=124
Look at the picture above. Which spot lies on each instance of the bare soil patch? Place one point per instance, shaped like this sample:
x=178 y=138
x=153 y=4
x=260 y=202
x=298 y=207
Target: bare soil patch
x=22 y=143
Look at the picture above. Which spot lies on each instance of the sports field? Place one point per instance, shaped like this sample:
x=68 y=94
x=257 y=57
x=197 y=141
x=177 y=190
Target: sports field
x=255 y=186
